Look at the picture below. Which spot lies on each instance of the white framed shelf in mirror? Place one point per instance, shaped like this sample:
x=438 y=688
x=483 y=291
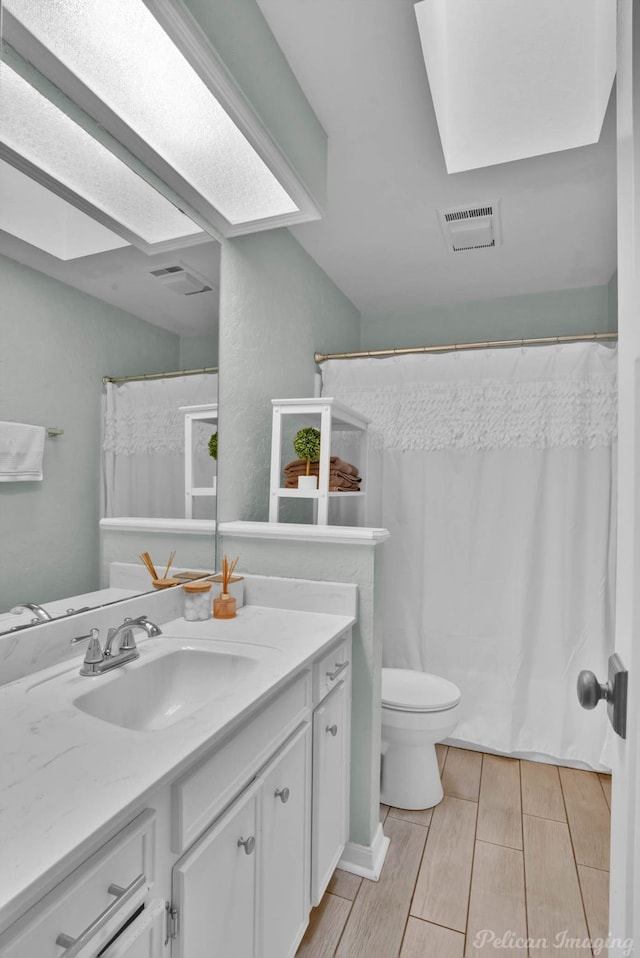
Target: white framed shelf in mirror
x=206 y=413
x=330 y=417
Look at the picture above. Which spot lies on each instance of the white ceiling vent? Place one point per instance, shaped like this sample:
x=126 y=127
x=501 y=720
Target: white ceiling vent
x=181 y=281
x=471 y=227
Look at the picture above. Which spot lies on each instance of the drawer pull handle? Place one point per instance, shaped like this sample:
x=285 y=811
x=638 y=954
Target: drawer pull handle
x=282 y=794
x=249 y=844
x=332 y=729
x=340 y=667
x=74 y=946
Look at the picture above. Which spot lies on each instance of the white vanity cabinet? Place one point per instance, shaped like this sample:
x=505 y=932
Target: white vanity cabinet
x=331 y=765
x=244 y=885
x=228 y=857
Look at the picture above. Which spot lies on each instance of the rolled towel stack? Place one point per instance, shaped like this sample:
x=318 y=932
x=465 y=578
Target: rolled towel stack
x=343 y=476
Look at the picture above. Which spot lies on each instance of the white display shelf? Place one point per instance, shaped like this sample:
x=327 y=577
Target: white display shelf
x=331 y=416
x=205 y=412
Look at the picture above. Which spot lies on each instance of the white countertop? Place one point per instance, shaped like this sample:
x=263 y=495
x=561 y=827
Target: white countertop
x=66 y=777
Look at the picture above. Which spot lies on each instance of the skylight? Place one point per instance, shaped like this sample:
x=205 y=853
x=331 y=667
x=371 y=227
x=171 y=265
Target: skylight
x=35 y=131
x=512 y=79
x=39 y=217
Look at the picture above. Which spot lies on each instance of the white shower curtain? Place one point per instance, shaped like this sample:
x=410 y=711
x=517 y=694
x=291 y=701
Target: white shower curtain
x=495 y=474
x=143 y=444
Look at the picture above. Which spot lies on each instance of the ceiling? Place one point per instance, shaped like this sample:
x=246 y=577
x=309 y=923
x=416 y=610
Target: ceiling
x=360 y=64
x=123 y=278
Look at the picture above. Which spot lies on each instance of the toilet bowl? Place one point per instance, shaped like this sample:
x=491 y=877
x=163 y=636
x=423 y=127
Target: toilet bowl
x=418 y=710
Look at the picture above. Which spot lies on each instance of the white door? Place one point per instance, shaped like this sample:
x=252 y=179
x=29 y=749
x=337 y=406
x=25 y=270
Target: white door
x=624 y=921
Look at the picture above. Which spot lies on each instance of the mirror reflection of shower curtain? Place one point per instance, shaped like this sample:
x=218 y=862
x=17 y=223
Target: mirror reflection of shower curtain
x=498 y=488
x=143 y=446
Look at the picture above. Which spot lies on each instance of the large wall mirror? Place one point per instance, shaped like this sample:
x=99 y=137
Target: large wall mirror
x=83 y=301
x=120 y=313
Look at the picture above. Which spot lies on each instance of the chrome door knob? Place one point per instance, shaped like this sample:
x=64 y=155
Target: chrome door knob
x=590 y=691
x=248 y=843
x=614 y=692
x=332 y=729
x=282 y=794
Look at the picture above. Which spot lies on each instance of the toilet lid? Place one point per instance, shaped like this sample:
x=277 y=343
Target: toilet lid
x=418 y=691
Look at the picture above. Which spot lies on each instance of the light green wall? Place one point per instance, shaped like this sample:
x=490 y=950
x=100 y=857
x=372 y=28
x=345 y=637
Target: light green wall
x=56 y=345
x=196 y=352
x=276 y=308
x=564 y=312
x=242 y=39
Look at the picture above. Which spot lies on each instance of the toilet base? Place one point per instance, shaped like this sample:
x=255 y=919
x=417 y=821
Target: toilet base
x=410 y=777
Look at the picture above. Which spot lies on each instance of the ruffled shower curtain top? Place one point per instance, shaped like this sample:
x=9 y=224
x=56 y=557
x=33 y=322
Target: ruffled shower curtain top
x=143 y=443
x=495 y=473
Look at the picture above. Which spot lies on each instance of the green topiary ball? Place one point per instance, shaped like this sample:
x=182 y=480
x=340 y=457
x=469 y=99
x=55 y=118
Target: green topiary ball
x=307 y=444
x=213 y=445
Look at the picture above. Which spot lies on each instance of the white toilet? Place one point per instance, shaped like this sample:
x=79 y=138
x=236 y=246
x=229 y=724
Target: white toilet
x=418 y=710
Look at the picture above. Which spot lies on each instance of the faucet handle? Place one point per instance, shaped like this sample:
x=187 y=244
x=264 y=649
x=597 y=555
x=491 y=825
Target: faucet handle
x=127 y=640
x=93 y=655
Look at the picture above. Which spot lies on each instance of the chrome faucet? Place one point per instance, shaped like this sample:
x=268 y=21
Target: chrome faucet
x=41 y=615
x=98 y=660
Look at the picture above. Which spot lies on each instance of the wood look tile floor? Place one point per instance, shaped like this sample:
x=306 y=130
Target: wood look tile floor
x=513 y=861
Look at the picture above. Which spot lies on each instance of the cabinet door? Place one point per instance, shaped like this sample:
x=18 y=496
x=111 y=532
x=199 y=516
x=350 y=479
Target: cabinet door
x=214 y=886
x=330 y=801
x=286 y=814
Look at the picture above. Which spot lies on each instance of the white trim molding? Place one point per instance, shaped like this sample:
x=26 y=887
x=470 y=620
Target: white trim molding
x=302 y=532
x=366 y=860
x=189 y=527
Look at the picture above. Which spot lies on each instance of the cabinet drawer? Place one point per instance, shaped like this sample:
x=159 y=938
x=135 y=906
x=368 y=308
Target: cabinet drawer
x=203 y=793
x=331 y=669
x=86 y=905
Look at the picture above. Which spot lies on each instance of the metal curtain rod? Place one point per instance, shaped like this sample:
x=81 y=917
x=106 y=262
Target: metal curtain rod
x=586 y=337
x=177 y=372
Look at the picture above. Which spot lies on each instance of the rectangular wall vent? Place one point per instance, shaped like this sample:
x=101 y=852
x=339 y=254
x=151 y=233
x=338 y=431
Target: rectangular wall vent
x=471 y=227
x=468 y=214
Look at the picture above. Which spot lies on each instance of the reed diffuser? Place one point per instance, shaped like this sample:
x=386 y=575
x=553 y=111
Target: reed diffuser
x=159 y=583
x=224 y=606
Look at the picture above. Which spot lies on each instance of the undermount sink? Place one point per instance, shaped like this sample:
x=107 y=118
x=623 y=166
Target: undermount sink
x=158 y=692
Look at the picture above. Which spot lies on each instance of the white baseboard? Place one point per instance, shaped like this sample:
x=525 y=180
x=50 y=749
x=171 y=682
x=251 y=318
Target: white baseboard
x=366 y=860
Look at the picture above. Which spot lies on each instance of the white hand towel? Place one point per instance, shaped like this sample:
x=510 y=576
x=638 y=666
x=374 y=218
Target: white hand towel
x=21 y=452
